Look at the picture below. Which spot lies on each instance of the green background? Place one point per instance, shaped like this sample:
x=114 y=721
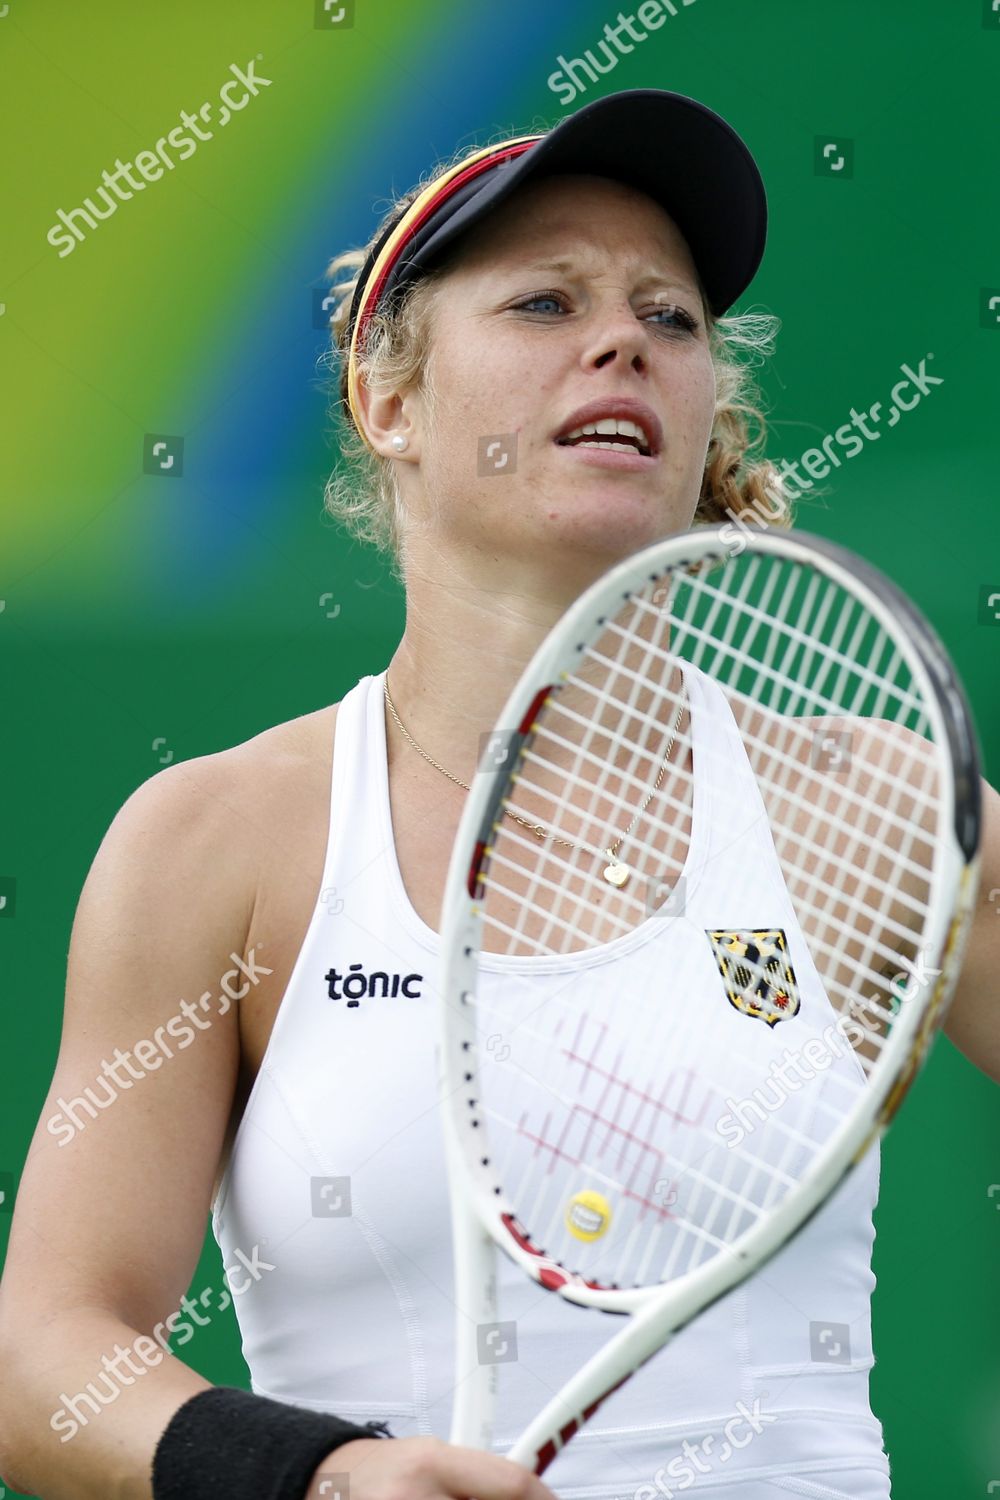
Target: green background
x=142 y=608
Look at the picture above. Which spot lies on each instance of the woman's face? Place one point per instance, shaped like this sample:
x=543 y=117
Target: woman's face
x=518 y=347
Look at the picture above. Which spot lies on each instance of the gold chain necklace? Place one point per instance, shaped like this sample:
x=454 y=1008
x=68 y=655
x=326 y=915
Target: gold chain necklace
x=616 y=873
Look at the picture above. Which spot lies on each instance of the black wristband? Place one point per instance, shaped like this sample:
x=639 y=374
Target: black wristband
x=227 y=1444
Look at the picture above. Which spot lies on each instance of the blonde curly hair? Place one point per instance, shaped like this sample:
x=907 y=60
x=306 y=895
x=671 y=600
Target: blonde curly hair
x=362 y=494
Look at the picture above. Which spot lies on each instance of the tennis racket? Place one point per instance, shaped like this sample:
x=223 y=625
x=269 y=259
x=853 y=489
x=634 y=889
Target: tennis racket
x=731 y=806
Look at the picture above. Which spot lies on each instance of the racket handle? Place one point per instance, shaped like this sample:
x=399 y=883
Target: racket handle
x=643 y=1334
x=475 y=1305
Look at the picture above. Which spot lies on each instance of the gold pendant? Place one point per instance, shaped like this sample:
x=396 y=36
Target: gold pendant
x=616 y=873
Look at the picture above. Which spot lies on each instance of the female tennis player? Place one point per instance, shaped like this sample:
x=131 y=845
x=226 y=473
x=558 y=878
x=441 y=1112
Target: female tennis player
x=538 y=378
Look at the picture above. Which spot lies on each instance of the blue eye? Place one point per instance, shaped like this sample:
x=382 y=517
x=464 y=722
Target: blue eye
x=541 y=297
x=684 y=319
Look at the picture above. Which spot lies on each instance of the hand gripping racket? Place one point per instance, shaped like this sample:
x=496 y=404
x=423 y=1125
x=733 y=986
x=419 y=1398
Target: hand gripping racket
x=731 y=806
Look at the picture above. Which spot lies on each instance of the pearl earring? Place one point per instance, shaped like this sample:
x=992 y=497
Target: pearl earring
x=399 y=442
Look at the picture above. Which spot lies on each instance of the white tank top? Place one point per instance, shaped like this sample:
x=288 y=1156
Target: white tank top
x=337 y=1180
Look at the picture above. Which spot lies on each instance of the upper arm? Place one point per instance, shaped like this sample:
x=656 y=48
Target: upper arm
x=973 y=1019
x=112 y=1203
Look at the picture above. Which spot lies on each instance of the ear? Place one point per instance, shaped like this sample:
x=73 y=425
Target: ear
x=383 y=415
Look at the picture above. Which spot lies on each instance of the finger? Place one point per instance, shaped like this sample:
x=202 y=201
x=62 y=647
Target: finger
x=488 y=1477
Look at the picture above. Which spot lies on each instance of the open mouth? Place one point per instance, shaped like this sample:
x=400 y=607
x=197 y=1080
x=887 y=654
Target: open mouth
x=609 y=433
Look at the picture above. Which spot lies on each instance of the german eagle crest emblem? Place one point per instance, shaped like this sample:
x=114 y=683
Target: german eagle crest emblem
x=757 y=972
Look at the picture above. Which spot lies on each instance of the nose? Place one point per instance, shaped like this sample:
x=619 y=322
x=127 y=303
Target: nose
x=617 y=334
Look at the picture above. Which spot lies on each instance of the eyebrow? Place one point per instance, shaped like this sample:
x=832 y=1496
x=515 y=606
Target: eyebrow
x=563 y=267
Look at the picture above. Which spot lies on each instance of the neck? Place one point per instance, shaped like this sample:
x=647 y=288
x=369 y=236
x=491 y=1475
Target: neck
x=464 y=648
x=460 y=656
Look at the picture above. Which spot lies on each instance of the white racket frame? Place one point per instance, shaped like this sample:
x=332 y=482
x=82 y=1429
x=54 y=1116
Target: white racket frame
x=657 y=1312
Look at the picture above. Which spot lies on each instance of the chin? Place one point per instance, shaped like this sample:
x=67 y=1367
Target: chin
x=613 y=526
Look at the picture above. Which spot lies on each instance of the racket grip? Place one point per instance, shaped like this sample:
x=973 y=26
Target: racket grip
x=475 y=1306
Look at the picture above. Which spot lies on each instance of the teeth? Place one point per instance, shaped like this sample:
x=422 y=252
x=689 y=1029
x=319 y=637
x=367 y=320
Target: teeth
x=619 y=425
x=617 y=447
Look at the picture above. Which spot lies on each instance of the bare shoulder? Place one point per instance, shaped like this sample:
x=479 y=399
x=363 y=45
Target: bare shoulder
x=859 y=752
x=857 y=783
x=282 y=779
x=244 y=818
x=294 y=737
x=851 y=802
x=258 y=767
x=247 y=789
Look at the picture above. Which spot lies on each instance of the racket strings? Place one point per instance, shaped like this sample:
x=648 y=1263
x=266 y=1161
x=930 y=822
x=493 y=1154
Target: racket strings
x=837 y=737
x=584 y=757
x=788 y=687
x=627 y=1161
x=842 y=817
x=815 y=870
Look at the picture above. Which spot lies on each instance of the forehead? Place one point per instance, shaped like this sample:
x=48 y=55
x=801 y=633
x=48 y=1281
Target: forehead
x=580 y=217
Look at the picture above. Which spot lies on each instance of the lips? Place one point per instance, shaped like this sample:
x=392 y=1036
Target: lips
x=626 y=407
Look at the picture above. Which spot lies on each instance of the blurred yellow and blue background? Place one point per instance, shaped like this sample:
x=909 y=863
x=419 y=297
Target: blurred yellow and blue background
x=155 y=614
